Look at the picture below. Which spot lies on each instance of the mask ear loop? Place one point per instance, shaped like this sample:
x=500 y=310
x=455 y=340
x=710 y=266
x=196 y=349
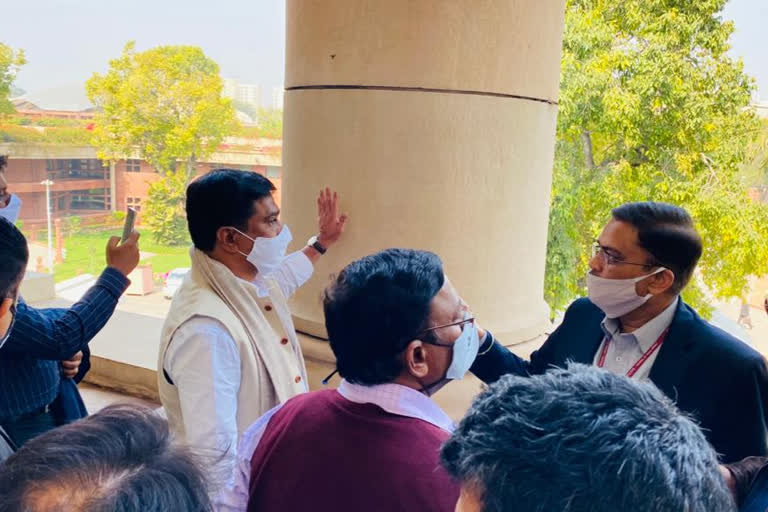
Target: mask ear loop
x=328 y=378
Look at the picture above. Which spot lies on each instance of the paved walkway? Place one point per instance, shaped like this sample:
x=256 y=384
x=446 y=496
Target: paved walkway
x=97 y=398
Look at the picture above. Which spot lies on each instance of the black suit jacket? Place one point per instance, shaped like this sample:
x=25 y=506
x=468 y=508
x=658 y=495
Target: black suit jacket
x=711 y=375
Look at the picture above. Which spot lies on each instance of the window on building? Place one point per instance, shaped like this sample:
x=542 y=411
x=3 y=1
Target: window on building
x=133 y=202
x=132 y=165
x=92 y=199
x=273 y=172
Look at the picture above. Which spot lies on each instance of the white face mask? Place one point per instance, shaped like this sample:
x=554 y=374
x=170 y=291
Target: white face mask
x=268 y=253
x=11 y=212
x=617 y=297
x=464 y=354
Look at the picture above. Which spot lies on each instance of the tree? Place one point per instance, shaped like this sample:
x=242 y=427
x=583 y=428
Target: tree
x=10 y=62
x=164 y=210
x=652 y=108
x=165 y=106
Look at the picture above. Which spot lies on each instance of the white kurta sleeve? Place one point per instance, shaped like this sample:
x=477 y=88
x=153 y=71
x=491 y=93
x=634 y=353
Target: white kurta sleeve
x=204 y=364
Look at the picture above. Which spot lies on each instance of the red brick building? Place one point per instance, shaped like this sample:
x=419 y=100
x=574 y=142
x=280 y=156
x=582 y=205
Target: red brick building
x=82 y=185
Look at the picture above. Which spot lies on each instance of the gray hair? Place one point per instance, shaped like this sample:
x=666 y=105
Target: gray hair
x=583 y=440
x=118 y=460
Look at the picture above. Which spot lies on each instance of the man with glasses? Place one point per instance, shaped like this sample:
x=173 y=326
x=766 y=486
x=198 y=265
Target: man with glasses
x=634 y=323
x=399 y=332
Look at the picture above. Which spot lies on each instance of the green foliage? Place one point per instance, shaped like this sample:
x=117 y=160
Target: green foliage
x=754 y=170
x=269 y=125
x=72 y=225
x=652 y=108
x=165 y=106
x=85 y=253
x=10 y=62
x=46 y=121
x=246 y=108
x=163 y=213
x=118 y=216
x=63 y=135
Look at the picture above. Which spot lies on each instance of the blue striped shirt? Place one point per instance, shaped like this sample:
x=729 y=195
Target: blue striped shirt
x=29 y=360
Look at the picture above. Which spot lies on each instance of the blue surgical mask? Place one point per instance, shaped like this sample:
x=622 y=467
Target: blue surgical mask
x=464 y=352
x=11 y=211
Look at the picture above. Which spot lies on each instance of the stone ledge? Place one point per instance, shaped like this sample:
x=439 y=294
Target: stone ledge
x=141 y=382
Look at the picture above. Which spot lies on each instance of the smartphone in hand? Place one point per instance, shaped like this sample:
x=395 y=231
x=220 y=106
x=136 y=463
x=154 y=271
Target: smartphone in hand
x=130 y=220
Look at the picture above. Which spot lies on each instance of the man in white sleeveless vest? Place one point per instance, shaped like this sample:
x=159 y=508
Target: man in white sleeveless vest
x=229 y=351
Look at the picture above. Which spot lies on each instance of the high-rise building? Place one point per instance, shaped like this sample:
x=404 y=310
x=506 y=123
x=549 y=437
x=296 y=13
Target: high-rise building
x=230 y=88
x=277 y=98
x=250 y=94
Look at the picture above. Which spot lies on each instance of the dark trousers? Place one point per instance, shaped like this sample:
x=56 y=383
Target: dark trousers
x=25 y=427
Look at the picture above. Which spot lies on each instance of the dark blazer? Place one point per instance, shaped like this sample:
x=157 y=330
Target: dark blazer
x=720 y=381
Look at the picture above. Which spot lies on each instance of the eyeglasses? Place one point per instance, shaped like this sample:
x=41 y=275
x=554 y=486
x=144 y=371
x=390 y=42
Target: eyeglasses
x=460 y=323
x=612 y=259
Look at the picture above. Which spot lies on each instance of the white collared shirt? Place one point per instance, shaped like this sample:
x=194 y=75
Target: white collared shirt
x=393 y=398
x=626 y=349
x=204 y=364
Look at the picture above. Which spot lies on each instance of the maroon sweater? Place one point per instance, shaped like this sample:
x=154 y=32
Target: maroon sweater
x=322 y=452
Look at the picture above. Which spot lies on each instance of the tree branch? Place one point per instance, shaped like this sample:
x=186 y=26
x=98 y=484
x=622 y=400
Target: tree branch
x=586 y=143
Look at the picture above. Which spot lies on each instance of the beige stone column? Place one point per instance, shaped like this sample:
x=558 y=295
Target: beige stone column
x=435 y=121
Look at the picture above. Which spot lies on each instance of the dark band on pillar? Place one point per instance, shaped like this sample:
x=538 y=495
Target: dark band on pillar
x=419 y=89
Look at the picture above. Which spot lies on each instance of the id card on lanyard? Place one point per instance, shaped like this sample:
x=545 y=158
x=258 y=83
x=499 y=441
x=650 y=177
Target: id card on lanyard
x=640 y=362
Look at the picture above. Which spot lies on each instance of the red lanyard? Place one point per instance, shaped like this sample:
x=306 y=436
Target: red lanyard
x=632 y=371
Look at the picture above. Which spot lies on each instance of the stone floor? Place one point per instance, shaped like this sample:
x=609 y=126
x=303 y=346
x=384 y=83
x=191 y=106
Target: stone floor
x=97 y=398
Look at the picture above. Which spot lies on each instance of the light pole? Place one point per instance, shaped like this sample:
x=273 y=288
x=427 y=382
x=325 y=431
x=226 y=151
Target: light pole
x=48 y=184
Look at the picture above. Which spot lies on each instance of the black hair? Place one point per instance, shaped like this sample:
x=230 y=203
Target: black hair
x=582 y=439
x=14 y=256
x=120 y=459
x=667 y=232
x=375 y=307
x=223 y=197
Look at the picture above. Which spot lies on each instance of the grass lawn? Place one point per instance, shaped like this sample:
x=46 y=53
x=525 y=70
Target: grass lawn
x=86 y=254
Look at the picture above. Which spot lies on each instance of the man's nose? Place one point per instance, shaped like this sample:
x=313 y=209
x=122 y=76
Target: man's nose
x=596 y=263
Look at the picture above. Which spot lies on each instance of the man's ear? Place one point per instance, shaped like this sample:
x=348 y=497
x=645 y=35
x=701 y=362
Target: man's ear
x=415 y=359
x=5 y=307
x=226 y=238
x=661 y=282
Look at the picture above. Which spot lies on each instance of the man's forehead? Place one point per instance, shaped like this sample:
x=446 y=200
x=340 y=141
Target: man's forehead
x=446 y=301
x=265 y=207
x=620 y=236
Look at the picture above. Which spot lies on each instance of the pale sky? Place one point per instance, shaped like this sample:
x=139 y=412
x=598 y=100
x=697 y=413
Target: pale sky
x=67 y=40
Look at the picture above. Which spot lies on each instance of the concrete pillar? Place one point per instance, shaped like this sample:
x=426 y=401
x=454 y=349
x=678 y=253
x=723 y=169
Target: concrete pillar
x=435 y=121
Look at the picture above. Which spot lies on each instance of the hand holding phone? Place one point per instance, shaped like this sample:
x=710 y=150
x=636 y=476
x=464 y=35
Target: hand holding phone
x=124 y=255
x=130 y=221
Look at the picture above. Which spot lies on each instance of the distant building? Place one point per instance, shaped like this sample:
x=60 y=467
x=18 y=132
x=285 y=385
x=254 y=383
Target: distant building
x=82 y=185
x=29 y=110
x=277 y=98
x=229 y=89
x=250 y=94
x=761 y=108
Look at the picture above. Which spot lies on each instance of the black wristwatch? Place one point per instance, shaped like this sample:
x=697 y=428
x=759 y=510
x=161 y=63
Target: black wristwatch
x=312 y=242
